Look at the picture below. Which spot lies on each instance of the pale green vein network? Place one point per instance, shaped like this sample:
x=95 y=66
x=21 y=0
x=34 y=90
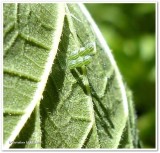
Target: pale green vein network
x=68 y=116
x=99 y=74
x=27 y=62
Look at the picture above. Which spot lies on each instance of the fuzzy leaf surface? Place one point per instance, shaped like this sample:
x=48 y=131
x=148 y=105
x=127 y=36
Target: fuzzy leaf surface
x=84 y=107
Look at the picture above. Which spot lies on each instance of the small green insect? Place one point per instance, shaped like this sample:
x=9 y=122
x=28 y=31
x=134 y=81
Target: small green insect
x=79 y=59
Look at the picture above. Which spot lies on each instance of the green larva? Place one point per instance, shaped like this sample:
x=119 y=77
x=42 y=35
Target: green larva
x=81 y=57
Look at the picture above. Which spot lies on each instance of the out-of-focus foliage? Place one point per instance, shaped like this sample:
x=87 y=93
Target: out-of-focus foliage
x=129 y=30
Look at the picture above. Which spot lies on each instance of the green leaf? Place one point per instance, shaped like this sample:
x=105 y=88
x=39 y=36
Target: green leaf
x=31 y=132
x=31 y=36
x=129 y=137
x=84 y=107
x=108 y=93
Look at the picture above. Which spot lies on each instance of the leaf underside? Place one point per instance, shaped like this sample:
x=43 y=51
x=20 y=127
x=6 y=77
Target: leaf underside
x=66 y=116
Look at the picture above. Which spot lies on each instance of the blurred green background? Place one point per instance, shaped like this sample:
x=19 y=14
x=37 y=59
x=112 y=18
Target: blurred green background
x=129 y=30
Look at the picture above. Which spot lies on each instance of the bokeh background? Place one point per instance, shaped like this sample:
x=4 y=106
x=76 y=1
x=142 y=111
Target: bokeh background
x=129 y=30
